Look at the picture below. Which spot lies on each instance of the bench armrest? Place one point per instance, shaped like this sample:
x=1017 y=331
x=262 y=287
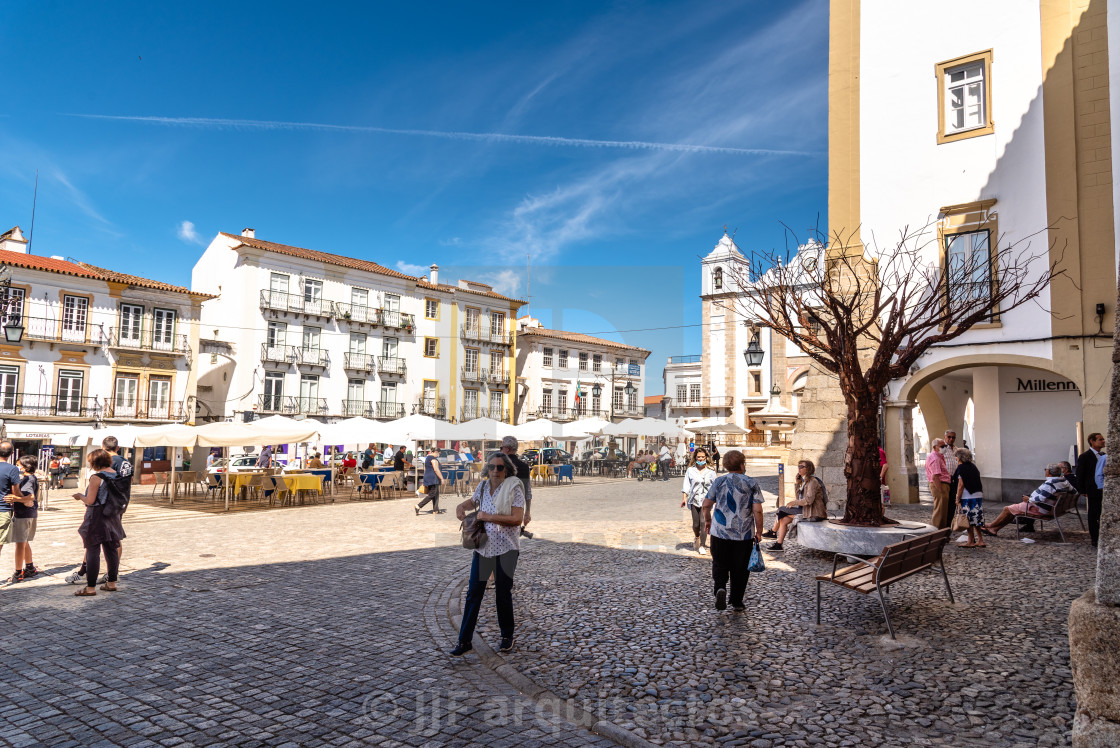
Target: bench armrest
x=837 y=556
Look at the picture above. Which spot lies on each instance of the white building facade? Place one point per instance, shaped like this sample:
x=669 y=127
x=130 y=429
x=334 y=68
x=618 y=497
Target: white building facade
x=98 y=348
x=559 y=373
x=299 y=331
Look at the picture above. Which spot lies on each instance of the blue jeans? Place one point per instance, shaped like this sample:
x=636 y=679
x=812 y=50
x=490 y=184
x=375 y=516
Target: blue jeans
x=502 y=567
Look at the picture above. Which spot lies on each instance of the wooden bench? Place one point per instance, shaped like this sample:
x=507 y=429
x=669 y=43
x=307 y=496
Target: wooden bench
x=894 y=564
x=1067 y=501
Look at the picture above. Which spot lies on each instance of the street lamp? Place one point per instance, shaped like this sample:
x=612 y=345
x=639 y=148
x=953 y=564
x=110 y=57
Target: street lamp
x=13 y=330
x=754 y=353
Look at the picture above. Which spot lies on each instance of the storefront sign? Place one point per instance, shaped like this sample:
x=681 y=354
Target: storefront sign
x=1042 y=386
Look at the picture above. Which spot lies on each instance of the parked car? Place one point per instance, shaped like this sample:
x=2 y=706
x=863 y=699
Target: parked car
x=237 y=463
x=548 y=456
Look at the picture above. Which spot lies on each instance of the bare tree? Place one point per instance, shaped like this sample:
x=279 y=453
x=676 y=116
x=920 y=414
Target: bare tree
x=866 y=316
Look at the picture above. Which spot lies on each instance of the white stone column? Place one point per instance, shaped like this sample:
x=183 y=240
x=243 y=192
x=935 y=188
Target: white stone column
x=898 y=442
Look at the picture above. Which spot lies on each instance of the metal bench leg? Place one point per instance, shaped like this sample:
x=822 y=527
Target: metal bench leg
x=1061 y=534
x=1077 y=509
x=946 y=578
x=818 y=603
x=883 y=604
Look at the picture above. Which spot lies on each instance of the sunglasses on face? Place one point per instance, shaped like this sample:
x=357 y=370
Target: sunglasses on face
x=498 y=467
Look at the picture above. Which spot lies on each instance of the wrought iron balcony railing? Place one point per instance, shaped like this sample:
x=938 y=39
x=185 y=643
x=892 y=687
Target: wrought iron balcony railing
x=313 y=357
x=472 y=332
x=474 y=375
x=147 y=340
x=398 y=320
x=359 y=361
x=364 y=408
x=388 y=410
x=280 y=301
x=145 y=410
x=497 y=377
x=42 y=405
x=469 y=413
x=58 y=331
x=312 y=406
x=704 y=402
x=279 y=354
x=359 y=314
x=431 y=407
x=391 y=365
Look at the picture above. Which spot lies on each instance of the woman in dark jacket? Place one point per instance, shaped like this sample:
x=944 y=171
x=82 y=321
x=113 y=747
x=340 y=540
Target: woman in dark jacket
x=970 y=497
x=100 y=533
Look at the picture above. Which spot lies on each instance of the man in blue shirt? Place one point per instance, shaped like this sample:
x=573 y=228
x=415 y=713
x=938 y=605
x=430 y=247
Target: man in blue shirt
x=733 y=517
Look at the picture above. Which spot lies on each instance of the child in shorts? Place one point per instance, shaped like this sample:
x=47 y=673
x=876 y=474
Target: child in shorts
x=26 y=507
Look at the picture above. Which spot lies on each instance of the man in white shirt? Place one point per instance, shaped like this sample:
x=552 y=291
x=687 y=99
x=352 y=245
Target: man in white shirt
x=664 y=458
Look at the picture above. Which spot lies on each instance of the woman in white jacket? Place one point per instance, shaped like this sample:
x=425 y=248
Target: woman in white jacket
x=697 y=480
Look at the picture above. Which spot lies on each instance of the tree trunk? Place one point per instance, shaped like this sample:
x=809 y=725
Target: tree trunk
x=864 y=506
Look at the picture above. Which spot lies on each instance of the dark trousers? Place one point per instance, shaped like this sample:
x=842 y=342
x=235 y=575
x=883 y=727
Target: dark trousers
x=663 y=468
x=1094 y=499
x=730 y=559
x=502 y=567
x=432 y=495
x=697 y=519
x=93 y=562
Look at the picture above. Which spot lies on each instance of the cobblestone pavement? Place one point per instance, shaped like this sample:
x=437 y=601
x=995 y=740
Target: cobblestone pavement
x=326 y=625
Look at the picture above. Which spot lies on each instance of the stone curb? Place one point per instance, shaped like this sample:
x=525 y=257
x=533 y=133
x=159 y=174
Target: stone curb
x=540 y=695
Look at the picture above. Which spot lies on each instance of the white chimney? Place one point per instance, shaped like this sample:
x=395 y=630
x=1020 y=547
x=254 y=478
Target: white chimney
x=435 y=274
x=251 y=233
x=13 y=241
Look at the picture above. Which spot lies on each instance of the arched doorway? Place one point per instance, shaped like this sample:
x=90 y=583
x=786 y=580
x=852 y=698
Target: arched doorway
x=1015 y=412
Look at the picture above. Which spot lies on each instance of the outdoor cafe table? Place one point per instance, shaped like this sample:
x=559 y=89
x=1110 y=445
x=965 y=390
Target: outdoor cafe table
x=302 y=481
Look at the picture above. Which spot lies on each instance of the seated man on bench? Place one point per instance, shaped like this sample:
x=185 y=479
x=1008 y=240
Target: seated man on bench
x=1038 y=504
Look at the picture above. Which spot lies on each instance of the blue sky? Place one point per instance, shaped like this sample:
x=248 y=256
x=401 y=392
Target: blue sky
x=611 y=142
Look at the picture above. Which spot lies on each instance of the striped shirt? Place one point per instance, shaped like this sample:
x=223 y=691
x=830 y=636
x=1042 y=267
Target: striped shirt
x=1046 y=495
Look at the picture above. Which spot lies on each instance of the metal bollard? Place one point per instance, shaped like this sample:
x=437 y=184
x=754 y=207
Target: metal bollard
x=781 y=484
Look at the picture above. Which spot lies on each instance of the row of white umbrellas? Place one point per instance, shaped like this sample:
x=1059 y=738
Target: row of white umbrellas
x=414 y=428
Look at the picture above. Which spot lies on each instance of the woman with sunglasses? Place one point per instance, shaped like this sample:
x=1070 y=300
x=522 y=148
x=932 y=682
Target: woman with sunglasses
x=500 y=500
x=697 y=480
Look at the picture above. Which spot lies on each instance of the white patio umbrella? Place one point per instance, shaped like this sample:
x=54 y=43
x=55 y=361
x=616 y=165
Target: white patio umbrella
x=583 y=427
x=541 y=428
x=357 y=430
x=718 y=427
x=479 y=428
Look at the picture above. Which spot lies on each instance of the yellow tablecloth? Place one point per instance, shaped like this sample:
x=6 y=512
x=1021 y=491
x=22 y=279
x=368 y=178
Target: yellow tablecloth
x=303 y=482
x=240 y=480
x=541 y=471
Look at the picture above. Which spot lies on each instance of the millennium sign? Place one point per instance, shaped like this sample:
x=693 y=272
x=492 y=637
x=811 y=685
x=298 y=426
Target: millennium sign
x=1042 y=385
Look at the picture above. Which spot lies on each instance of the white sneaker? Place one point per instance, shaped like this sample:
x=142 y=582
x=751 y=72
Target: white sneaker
x=702 y=549
x=104 y=578
x=74 y=578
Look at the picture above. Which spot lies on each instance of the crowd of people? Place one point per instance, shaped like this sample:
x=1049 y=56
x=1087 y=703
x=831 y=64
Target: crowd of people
x=957 y=489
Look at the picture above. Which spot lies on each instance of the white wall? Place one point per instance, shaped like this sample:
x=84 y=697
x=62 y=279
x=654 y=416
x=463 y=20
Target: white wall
x=906 y=176
x=1035 y=428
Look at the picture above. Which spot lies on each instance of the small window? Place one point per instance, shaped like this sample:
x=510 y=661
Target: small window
x=969 y=267
x=583 y=362
x=964 y=97
x=694 y=393
x=548 y=357
x=546 y=400
x=597 y=362
x=431 y=309
x=431 y=347
x=756 y=383
x=682 y=391
x=717 y=279
x=563 y=363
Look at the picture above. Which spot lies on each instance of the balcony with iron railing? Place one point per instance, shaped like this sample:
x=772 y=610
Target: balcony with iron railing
x=398 y=320
x=470 y=412
x=428 y=406
x=287 y=405
x=359 y=361
x=42 y=405
x=279 y=354
x=391 y=365
x=148 y=340
x=497 y=377
x=499 y=337
x=317 y=357
x=281 y=301
x=140 y=410
x=363 y=408
x=357 y=314
x=388 y=410
x=57 y=331
x=704 y=402
x=473 y=375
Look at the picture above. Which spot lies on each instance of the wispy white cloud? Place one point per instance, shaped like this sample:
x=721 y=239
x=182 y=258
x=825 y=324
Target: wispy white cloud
x=187 y=233
x=491 y=137
x=508 y=282
x=78 y=197
x=409 y=268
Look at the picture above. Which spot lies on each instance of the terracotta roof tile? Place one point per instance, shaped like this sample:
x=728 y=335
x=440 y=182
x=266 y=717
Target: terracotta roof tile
x=577 y=337
x=423 y=283
x=49 y=264
x=653 y=399
x=135 y=280
x=314 y=254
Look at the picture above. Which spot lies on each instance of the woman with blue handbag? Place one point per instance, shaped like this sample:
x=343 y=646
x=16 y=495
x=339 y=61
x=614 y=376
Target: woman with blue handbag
x=733 y=517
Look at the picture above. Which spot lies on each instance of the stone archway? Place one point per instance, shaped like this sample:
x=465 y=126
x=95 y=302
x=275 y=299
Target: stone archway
x=917 y=389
